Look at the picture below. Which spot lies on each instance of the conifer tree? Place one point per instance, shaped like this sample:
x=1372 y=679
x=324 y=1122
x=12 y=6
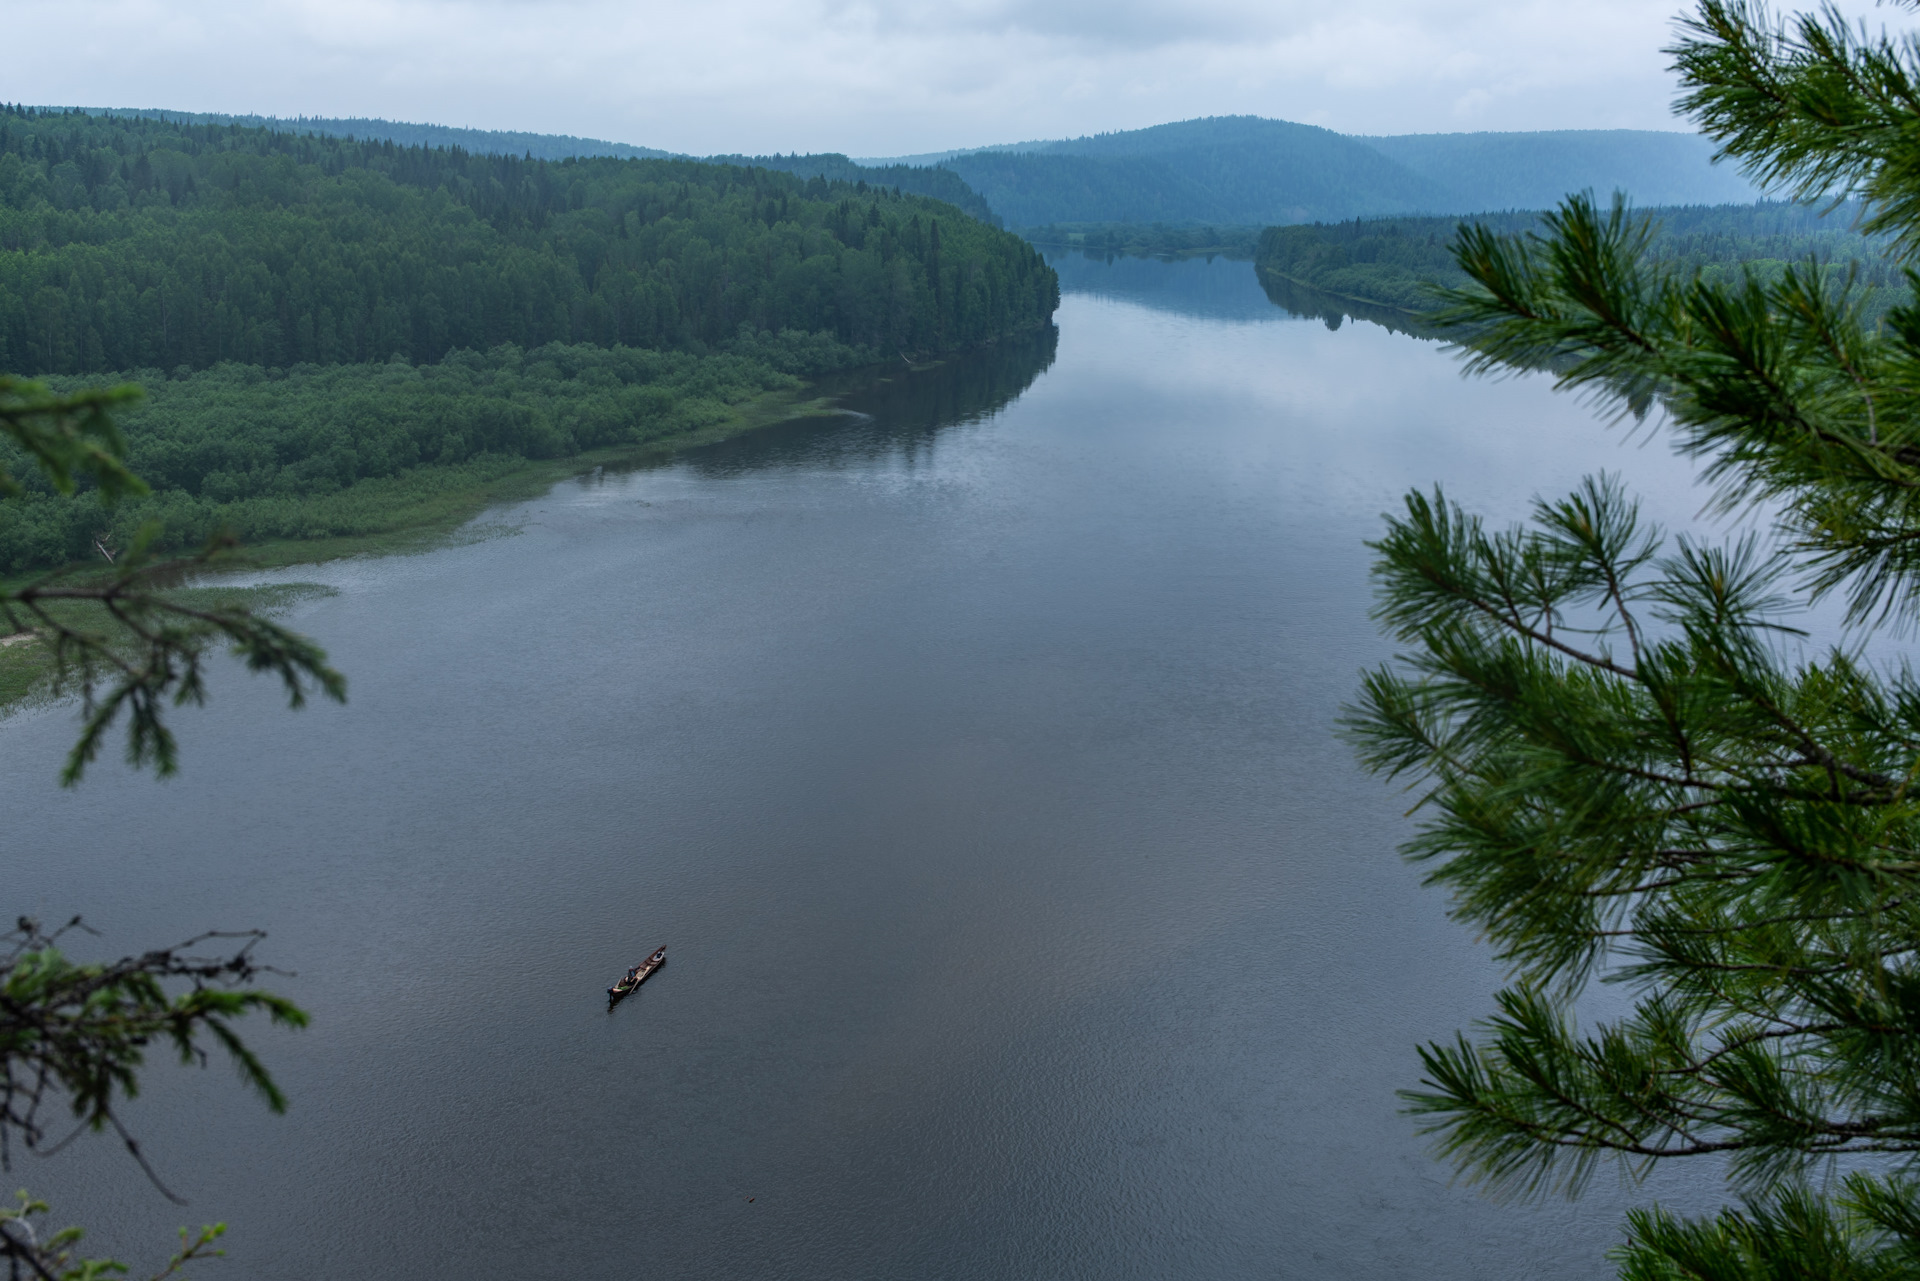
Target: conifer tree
x=73 y=1037
x=1633 y=769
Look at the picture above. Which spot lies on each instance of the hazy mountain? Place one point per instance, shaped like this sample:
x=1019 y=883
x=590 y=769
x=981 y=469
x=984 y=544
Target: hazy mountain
x=1246 y=169
x=1534 y=170
x=1232 y=169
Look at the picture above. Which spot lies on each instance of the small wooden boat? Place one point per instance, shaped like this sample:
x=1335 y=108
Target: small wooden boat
x=636 y=976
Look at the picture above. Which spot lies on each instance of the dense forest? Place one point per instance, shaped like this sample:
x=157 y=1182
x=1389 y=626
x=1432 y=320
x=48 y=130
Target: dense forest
x=341 y=338
x=1392 y=262
x=131 y=243
x=502 y=142
x=911 y=179
x=328 y=451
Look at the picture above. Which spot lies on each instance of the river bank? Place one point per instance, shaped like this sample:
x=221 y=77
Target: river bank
x=431 y=520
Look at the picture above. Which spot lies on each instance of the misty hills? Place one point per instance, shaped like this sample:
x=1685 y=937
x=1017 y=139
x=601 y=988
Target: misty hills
x=1237 y=169
x=1247 y=169
x=1221 y=170
x=1536 y=170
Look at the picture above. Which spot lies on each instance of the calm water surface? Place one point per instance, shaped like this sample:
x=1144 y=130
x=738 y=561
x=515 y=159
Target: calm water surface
x=973 y=756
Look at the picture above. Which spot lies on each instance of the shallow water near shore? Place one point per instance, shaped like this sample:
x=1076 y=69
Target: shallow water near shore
x=971 y=753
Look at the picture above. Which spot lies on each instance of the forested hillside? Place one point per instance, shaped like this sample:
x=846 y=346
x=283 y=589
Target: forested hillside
x=1392 y=262
x=916 y=180
x=502 y=142
x=1238 y=169
x=138 y=243
x=345 y=339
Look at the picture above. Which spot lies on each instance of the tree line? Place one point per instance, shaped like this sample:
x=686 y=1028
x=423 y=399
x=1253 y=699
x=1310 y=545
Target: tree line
x=131 y=243
x=1397 y=262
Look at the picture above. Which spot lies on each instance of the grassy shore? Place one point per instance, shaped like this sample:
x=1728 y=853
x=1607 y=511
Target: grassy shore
x=426 y=523
x=26 y=664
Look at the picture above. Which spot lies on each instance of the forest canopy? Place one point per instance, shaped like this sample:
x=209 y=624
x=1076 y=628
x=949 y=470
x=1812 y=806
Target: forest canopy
x=130 y=242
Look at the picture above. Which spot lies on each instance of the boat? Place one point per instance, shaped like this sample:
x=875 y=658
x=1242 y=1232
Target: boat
x=636 y=976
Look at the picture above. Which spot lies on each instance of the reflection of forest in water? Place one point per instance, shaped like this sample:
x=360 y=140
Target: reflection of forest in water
x=897 y=410
x=891 y=411
x=1217 y=288
x=1333 y=310
x=1214 y=288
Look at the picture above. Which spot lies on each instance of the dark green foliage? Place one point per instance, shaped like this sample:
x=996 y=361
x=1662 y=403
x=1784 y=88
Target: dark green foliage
x=1868 y=1232
x=67 y=438
x=495 y=142
x=913 y=180
x=78 y=1035
x=335 y=450
x=1633 y=768
x=1814 y=105
x=137 y=243
x=1395 y=262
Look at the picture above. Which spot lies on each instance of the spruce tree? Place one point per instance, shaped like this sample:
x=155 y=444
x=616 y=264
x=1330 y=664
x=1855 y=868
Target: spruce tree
x=1633 y=769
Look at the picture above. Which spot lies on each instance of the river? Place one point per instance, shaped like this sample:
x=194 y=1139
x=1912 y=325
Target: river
x=973 y=755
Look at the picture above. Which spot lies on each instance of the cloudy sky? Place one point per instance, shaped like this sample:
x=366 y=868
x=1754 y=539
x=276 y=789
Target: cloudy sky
x=867 y=77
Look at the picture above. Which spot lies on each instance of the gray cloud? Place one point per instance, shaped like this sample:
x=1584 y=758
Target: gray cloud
x=868 y=77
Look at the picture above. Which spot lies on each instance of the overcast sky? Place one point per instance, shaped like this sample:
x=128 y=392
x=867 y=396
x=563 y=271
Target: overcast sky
x=867 y=77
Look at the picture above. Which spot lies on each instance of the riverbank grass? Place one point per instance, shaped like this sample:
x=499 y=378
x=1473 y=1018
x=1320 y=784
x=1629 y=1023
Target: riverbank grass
x=415 y=517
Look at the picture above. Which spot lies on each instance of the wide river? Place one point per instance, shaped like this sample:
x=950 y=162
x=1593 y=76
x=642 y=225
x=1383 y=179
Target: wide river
x=973 y=755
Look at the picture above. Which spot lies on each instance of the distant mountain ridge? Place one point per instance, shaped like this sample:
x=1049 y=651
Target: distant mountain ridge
x=1251 y=170
x=1231 y=169
x=1218 y=170
x=1536 y=170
